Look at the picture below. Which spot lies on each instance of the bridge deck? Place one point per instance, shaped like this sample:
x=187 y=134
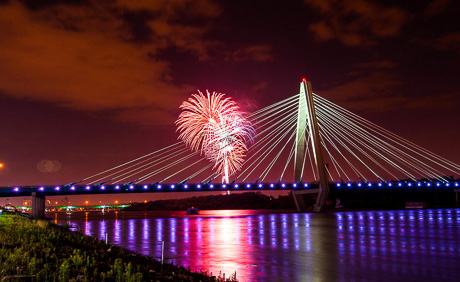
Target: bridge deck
x=156 y=188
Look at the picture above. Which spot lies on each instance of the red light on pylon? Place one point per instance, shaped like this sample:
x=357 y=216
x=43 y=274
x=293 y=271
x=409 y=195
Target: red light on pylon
x=304 y=79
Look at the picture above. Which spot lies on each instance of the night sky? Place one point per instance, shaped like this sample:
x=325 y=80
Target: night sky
x=87 y=85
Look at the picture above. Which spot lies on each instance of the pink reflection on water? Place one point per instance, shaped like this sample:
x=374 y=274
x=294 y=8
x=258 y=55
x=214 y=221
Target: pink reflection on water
x=102 y=229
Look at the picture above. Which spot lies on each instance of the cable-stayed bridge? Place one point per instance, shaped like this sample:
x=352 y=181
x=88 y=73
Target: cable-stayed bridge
x=304 y=143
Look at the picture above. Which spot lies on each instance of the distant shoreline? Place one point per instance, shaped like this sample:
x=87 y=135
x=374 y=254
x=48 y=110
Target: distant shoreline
x=243 y=201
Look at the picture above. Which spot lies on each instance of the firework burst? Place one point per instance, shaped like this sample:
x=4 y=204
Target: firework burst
x=213 y=125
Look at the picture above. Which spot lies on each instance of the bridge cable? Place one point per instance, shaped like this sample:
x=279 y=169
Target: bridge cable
x=277 y=133
x=355 y=145
x=366 y=137
x=269 y=167
x=402 y=142
x=149 y=165
x=325 y=135
x=175 y=144
x=291 y=153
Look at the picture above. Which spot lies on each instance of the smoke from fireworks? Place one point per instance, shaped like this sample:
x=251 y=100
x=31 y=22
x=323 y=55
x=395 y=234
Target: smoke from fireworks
x=214 y=126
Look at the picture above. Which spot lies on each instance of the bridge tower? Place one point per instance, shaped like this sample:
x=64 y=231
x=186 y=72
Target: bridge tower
x=307 y=115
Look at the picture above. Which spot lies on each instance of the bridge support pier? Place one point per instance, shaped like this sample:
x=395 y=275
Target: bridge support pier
x=299 y=199
x=38 y=206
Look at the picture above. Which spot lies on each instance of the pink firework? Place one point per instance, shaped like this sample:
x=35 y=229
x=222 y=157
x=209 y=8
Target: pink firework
x=214 y=126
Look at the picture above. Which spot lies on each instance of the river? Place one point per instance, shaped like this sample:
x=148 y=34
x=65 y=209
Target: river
x=261 y=245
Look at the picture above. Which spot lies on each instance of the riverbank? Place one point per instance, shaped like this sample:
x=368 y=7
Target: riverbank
x=347 y=199
x=43 y=251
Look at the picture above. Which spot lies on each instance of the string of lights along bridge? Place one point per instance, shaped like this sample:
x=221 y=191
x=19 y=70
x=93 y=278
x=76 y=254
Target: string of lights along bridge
x=302 y=142
x=139 y=188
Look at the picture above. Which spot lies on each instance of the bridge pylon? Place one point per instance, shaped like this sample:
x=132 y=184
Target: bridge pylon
x=307 y=116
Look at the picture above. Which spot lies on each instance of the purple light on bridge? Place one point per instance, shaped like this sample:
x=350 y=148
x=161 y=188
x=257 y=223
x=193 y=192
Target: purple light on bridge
x=438 y=184
x=131 y=187
x=447 y=184
x=158 y=186
x=248 y=185
x=399 y=184
x=283 y=185
x=211 y=186
x=349 y=184
x=456 y=184
x=224 y=185
x=146 y=187
x=16 y=189
x=272 y=185
x=87 y=187
x=305 y=185
x=72 y=188
x=198 y=186
x=359 y=184
x=389 y=184
x=41 y=188
x=294 y=185
x=117 y=187
x=260 y=185
x=409 y=184
x=185 y=186
x=102 y=187
x=369 y=184
x=338 y=184
x=172 y=186
x=57 y=188
x=236 y=186
x=419 y=184
x=428 y=184
x=380 y=184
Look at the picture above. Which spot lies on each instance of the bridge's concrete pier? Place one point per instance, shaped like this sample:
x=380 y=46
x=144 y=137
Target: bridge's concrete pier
x=299 y=198
x=38 y=206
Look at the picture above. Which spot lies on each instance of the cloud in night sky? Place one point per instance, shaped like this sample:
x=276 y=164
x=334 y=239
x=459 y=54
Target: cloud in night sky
x=84 y=62
x=355 y=22
x=447 y=42
x=89 y=57
x=255 y=53
x=436 y=7
x=375 y=87
x=370 y=87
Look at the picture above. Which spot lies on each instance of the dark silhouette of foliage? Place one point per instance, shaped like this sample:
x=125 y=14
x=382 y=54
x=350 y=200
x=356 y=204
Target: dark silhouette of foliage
x=248 y=200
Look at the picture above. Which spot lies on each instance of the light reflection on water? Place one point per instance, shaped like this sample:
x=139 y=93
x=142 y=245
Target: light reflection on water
x=351 y=246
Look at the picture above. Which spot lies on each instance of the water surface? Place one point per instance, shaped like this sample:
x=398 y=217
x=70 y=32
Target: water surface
x=409 y=245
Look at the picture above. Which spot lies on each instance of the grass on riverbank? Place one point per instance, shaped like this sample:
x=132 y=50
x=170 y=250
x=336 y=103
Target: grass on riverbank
x=41 y=251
